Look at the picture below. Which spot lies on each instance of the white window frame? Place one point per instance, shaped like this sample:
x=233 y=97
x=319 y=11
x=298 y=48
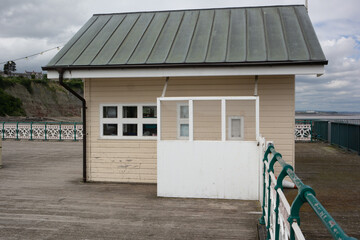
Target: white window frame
x=230 y=118
x=223 y=113
x=182 y=120
x=140 y=121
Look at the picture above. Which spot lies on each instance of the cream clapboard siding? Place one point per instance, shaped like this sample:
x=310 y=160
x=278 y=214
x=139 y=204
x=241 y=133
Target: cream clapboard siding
x=120 y=160
x=135 y=160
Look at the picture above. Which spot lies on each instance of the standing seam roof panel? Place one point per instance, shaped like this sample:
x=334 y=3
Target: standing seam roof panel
x=256 y=50
x=73 y=40
x=182 y=40
x=219 y=37
x=236 y=50
x=132 y=39
x=162 y=46
x=95 y=46
x=313 y=44
x=84 y=41
x=227 y=36
x=276 y=49
x=295 y=41
x=115 y=41
x=199 y=44
x=148 y=40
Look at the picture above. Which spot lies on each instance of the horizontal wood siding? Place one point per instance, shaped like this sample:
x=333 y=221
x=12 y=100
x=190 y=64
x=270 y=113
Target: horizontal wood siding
x=135 y=160
x=118 y=160
x=207 y=120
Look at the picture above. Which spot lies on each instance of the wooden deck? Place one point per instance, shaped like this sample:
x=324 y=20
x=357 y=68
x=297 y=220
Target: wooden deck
x=334 y=174
x=42 y=197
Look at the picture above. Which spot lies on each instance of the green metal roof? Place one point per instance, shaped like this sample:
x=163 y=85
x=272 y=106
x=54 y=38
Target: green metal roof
x=227 y=36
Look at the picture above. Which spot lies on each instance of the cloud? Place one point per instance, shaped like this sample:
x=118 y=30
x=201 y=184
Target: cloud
x=19 y=47
x=338 y=88
x=39 y=19
x=337 y=84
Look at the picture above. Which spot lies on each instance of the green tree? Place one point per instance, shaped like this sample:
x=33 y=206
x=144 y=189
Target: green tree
x=9 y=67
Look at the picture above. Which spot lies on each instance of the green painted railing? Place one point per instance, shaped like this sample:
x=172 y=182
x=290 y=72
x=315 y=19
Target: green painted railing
x=276 y=212
x=42 y=130
x=342 y=134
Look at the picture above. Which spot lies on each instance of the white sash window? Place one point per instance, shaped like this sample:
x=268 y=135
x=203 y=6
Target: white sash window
x=128 y=121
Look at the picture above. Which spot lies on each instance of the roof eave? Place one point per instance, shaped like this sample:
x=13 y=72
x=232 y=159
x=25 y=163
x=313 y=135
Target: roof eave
x=178 y=65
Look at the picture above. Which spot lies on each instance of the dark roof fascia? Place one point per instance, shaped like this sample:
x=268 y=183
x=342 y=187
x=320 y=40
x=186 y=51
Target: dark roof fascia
x=197 y=9
x=124 y=66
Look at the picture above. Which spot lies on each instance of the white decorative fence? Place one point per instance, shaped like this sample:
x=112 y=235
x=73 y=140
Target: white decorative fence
x=42 y=130
x=303 y=130
x=74 y=131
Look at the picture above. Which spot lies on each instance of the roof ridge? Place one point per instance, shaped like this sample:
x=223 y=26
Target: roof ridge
x=197 y=9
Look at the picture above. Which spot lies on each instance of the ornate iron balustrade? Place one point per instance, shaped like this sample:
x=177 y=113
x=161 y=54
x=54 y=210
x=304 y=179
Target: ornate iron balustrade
x=303 y=130
x=281 y=220
x=42 y=130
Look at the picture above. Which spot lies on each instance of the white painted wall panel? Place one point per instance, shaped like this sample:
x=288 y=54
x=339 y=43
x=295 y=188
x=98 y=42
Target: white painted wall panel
x=208 y=169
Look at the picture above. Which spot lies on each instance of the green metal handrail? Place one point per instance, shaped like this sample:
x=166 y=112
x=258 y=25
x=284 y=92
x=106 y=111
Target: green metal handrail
x=305 y=194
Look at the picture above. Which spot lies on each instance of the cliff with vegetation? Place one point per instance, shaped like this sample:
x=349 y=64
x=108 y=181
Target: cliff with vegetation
x=39 y=98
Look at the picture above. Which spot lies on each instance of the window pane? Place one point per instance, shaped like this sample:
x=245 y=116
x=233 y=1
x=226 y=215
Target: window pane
x=236 y=128
x=130 y=112
x=184 y=130
x=110 y=129
x=149 y=111
x=184 y=111
x=149 y=130
x=130 y=130
x=109 y=112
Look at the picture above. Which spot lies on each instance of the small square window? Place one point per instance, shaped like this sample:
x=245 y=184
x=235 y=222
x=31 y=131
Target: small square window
x=129 y=112
x=149 y=130
x=129 y=129
x=184 y=130
x=149 y=112
x=184 y=111
x=110 y=129
x=110 y=112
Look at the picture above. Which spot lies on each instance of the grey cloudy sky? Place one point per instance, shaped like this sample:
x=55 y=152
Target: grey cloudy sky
x=31 y=26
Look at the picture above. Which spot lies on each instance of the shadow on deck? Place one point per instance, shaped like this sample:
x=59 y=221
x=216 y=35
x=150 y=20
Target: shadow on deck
x=42 y=197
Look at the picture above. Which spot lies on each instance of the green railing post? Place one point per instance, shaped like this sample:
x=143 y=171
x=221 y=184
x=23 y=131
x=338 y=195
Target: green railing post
x=265 y=159
x=271 y=169
x=3 y=131
x=348 y=137
x=17 y=130
x=358 y=138
x=45 y=131
x=311 y=131
x=75 y=131
x=295 y=207
x=339 y=138
x=60 y=131
x=31 y=131
x=269 y=210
